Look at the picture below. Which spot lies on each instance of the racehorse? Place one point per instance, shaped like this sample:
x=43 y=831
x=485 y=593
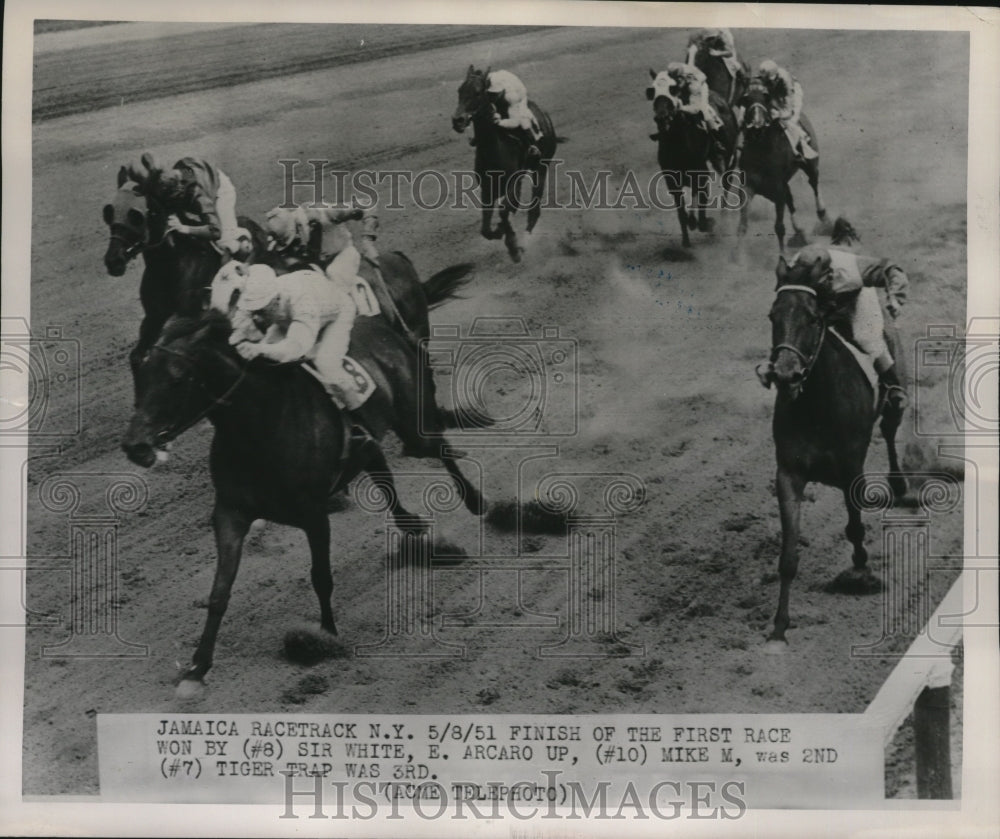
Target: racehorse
x=179 y=269
x=717 y=74
x=824 y=413
x=769 y=162
x=501 y=159
x=685 y=150
x=281 y=447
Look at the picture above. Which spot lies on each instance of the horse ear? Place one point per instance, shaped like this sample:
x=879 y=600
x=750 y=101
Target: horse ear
x=109 y=213
x=122 y=176
x=652 y=73
x=147 y=160
x=650 y=93
x=781 y=271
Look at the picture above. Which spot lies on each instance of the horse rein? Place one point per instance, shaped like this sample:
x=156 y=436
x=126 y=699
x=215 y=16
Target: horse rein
x=133 y=248
x=176 y=430
x=807 y=361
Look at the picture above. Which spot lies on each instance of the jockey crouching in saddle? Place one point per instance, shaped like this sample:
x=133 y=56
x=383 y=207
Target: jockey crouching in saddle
x=719 y=42
x=509 y=96
x=299 y=316
x=785 y=95
x=849 y=280
x=198 y=197
x=688 y=85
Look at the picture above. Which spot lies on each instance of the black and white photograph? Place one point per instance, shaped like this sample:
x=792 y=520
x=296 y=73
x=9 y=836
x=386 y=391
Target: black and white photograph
x=416 y=415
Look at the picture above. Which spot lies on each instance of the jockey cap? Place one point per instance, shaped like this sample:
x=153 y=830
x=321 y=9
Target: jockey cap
x=768 y=68
x=259 y=289
x=809 y=255
x=287 y=225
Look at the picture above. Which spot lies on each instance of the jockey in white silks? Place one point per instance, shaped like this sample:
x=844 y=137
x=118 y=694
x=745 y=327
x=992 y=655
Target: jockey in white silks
x=846 y=274
x=297 y=317
x=786 y=98
x=687 y=85
x=719 y=42
x=509 y=90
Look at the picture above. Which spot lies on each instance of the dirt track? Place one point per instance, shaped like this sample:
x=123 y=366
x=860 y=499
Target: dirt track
x=667 y=343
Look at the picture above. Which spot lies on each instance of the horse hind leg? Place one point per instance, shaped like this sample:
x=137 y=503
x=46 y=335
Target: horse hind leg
x=823 y=225
x=507 y=206
x=230 y=528
x=374 y=464
x=537 y=190
x=889 y=425
x=859 y=579
x=318 y=533
x=779 y=224
x=682 y=215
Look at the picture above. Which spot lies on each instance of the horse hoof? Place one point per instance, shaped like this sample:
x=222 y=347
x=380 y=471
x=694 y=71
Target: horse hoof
x=189 y=689
x=898 y=487
x=477 y=505
x=775 y=646
x=162 y=455
x=516 y=253
x=707 y=225
x=855 y=581
x=797 y=240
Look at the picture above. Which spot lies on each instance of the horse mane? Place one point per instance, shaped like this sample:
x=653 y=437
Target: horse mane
x=181 y=326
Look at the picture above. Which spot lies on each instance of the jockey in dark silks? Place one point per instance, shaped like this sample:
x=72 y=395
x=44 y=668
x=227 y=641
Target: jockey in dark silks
x=198 y=198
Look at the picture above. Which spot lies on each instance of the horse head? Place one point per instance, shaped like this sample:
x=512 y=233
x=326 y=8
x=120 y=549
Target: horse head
x=128 y=219
x=666 y=106
x=797 y=322
x=189 y=371
x=756 y=105
x=472 y=98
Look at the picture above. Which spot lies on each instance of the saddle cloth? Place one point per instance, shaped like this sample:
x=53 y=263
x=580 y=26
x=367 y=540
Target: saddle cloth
x=364 y=298
x=364 y=385
x=863 y=360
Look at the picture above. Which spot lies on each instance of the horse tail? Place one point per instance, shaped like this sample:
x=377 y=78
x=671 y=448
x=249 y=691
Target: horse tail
x=444 y=284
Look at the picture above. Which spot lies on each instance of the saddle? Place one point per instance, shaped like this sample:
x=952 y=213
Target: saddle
x=862 y=359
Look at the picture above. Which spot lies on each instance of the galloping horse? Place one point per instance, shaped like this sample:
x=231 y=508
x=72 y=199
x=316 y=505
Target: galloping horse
x=179 y=269
x=280 y=447
x=823 y=417
x=685 y=151
x=730 y=88
x=769 y=162
x=501 y=159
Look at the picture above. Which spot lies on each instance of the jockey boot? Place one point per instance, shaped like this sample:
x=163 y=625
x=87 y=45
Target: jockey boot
x=532 y=151
x=895 y=392
x=806 y=151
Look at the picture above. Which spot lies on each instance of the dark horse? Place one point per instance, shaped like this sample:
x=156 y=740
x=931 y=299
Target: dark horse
x=769 y=162
x=280 y=447
x=823 y=418
x=501 y=159
x=685 y=151
x=179 y=269
x=717 y=73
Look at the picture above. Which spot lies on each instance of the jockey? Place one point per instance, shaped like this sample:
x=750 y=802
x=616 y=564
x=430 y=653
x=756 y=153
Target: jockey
x=318 y=236
x=785 y=94
x=719 y=42
x=850 y=275
x=197 y=191
x=507 y=90
x=297 y=317
x=689 y=85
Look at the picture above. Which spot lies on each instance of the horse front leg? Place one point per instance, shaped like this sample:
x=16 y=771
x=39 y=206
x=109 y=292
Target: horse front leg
x=682 y=215
x=790 y=487
x=889 y=425
x=779 y=224
x=149 y=331
x=798 y=238
x=230 y=527
x=373 y=462
x=859 y=579
x=317 y=531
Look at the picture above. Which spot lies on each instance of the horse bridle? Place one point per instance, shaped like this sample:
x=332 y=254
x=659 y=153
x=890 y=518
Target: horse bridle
x=174 y=431
x=139 y=246
x=807 y=361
